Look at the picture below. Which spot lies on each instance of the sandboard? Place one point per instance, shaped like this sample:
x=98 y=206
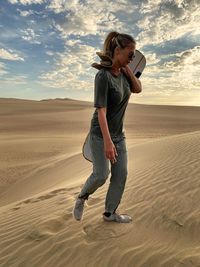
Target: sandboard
x=86 y=150
x=138 y=63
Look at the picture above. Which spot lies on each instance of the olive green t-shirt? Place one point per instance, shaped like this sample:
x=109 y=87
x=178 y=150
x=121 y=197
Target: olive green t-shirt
x=112 y=92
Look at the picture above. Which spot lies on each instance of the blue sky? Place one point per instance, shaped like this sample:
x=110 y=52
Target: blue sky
x=47 y=47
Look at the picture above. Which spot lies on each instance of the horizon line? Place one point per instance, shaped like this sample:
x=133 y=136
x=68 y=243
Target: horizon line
x=80 y=100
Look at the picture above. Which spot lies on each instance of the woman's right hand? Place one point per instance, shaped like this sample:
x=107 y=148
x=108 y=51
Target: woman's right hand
x=110 y=151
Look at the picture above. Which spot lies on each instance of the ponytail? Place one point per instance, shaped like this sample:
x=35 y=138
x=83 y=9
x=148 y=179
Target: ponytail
x=115 y=39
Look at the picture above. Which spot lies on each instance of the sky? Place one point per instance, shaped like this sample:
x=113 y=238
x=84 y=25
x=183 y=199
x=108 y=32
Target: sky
x=47 y=47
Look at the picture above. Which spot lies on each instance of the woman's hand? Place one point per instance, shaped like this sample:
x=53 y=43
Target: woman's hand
x=125 y=71
x=136 y=86
x=110 y=151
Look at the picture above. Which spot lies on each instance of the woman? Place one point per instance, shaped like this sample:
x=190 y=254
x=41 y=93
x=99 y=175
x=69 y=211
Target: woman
x=113 y=87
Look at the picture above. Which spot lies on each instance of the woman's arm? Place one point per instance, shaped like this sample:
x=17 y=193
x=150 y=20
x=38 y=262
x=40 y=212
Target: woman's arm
x=103 y=124
x=109 y=147
x=136 y=86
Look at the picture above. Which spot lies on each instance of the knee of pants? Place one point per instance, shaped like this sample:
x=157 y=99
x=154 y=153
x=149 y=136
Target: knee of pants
x=102 y=177
x=121 y=176
x=123 y=173
x=124 y=177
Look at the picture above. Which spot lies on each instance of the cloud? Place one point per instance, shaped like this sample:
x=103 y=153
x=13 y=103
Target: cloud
x=14 y=80
x=92 y=17
x=152 y=58
x=25 y=13
x=166 y=20
x=27 y=2
x=3 y=69
x=72 y=69
x=72 y=42
x=49 y=53
x=171 y=78
x=186 y=67
x=9 y=55
x=30 y=36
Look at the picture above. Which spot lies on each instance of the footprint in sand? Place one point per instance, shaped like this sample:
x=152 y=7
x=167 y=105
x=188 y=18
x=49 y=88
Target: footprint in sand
x=15 y=208
x=101 y=232
x=44 y=197
x=171 y=221
x=46 y=228
x=67 y=215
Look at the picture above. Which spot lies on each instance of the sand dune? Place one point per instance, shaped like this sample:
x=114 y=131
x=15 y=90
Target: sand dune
x=42 y=172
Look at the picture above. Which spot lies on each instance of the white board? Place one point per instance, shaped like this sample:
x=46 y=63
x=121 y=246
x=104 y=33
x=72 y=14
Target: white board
x=86 y=150
x=138 y=63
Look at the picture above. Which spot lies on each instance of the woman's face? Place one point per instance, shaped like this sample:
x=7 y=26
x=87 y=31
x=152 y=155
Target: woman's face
x=125 y=55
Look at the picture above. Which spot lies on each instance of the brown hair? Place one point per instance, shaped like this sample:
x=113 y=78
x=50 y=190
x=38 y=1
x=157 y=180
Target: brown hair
x=115 y=39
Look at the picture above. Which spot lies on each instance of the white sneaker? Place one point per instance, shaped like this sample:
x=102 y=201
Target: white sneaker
x=120 y=218
x=78 y=208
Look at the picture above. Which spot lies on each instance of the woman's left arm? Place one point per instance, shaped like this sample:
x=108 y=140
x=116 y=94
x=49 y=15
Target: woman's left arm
x=136 y=86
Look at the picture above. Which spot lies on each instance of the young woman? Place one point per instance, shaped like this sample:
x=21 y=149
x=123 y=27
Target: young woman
x=113 y=87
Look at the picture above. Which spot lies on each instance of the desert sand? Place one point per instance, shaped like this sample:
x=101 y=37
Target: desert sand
x=42 y=170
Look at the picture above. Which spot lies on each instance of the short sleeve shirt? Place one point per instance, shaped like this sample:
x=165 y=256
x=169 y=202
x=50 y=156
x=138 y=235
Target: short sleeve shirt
x=112 y=92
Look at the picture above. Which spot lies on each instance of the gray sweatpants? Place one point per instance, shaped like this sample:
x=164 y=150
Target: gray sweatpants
x=101 y=171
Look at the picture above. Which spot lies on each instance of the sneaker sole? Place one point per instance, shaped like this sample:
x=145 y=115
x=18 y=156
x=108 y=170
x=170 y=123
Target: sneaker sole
x=107 y=219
